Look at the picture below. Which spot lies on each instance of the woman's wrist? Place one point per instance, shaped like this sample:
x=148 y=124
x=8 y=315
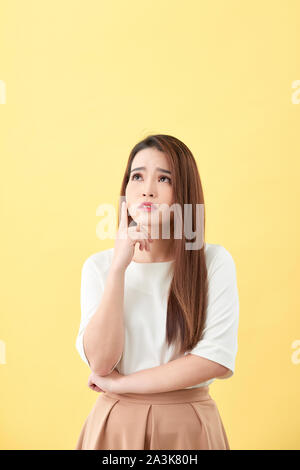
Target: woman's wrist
x=116 y=269
x=121 y=385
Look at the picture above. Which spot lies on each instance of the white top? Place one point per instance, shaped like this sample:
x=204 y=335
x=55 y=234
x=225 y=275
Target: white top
x=145 y=309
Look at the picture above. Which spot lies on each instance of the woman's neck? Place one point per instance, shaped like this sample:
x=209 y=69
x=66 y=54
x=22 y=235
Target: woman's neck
x=160 y=251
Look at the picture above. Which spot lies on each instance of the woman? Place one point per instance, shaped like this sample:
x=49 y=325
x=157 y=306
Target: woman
x=159 y=320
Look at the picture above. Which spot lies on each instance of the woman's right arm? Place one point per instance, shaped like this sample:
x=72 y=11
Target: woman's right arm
x=103 y=337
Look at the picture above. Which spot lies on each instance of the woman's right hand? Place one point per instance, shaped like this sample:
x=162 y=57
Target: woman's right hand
x=126 y=238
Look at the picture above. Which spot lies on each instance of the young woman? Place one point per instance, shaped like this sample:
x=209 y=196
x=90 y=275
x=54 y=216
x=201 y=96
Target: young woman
x=159 y=321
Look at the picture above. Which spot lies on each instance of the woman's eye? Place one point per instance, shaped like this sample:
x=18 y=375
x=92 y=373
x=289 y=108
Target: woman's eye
x=167 y=178
x=138 y=174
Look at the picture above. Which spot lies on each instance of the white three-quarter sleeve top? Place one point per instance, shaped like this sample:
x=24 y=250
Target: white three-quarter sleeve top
x=145 y=310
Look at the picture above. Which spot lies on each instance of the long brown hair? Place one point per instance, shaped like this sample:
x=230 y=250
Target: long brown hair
x=187 y=299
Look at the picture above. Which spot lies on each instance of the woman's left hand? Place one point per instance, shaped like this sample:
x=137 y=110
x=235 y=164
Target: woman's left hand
x=107 y=383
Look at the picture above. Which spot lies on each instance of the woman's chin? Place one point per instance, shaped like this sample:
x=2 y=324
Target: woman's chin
x=145 y=217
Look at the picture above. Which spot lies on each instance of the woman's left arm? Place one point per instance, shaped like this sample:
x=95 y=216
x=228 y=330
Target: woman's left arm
x=183 y=372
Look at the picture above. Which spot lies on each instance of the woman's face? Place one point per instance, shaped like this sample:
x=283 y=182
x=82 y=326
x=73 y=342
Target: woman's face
x=152 y=183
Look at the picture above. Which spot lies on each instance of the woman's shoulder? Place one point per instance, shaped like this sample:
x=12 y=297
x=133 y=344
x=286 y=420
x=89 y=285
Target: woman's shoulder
x=217 y=255
x=99 y=260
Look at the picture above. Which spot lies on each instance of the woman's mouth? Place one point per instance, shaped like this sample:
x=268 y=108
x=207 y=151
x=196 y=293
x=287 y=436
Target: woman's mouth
x=148 y=207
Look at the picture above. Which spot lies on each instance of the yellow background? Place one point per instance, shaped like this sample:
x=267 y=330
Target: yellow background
x=85 y=81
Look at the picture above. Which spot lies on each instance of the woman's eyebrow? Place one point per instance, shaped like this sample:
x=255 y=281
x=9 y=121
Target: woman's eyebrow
x=144 y=168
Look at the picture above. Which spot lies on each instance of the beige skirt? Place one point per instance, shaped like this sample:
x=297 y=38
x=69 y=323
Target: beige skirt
x=176 y=420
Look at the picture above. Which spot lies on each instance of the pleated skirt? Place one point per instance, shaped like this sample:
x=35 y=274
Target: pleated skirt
x=177 y=420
